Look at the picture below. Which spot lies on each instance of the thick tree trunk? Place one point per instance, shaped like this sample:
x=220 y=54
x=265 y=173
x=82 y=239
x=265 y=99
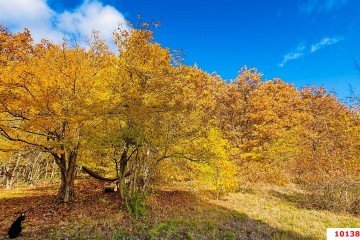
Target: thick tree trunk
x=66 y=191
x=67 y=164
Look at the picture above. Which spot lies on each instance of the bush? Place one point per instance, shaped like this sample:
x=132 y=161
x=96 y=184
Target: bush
x=342 y=194
x=171 y=229
x=135 y=204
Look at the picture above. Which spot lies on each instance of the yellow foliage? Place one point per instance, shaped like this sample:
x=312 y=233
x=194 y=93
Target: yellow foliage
x=139 y=111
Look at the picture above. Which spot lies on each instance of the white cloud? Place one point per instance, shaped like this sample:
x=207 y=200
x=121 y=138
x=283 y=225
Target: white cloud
x=35 y=15
x=89 y=16
x=45 y=22
x=309 y=6
x=291 y=56
x=301 y=50
x=325 y=42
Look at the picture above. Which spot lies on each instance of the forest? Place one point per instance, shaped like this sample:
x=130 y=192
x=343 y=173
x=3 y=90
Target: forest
x=143 y=124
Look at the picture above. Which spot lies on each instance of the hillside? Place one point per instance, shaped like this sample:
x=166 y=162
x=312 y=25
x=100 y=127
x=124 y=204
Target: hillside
x=265 y=213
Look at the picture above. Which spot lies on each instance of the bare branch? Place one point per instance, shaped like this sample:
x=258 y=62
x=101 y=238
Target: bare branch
x=17 y=139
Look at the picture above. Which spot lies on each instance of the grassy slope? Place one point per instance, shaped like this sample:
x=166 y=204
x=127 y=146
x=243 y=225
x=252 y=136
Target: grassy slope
x=283 y=209
x=172 y=214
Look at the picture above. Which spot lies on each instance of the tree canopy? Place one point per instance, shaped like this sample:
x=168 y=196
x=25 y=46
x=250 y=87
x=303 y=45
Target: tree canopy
x=145 y=119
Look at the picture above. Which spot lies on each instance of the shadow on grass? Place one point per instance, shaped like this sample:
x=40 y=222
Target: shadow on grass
x=312 y=202
x=305 y=201
x=300 y=200
x=170 y=215
x=181 y=215
x=239 y=226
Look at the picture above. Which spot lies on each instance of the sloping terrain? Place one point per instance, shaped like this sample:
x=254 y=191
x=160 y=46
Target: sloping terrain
x=171 y=214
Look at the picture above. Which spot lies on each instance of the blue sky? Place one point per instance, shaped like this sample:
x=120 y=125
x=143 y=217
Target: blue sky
x=300 y=41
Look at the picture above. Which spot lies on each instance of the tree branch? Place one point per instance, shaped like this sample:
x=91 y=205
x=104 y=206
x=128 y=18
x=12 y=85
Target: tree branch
x=17 y=139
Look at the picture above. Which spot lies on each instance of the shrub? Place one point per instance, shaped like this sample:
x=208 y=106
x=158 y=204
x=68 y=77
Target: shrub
x=342 y=194
x=135 y=204
x=179 y=228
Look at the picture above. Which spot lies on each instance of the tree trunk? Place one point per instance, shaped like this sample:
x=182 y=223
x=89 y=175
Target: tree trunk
x=66 y=191
x=123 y=164
x=8 y=181
x=67 y=165
x=8 y=185
x=46 y=170
x=10 y=174
x=52 y=175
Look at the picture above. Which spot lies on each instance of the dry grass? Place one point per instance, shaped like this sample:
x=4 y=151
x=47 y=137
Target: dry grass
x=278 y=207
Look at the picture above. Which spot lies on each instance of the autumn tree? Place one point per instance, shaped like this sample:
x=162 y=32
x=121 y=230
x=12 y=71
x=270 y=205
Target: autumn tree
x=154 y=114
x=48 y=95
x=234 y=107
x=326 y=137
x=157 y=113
